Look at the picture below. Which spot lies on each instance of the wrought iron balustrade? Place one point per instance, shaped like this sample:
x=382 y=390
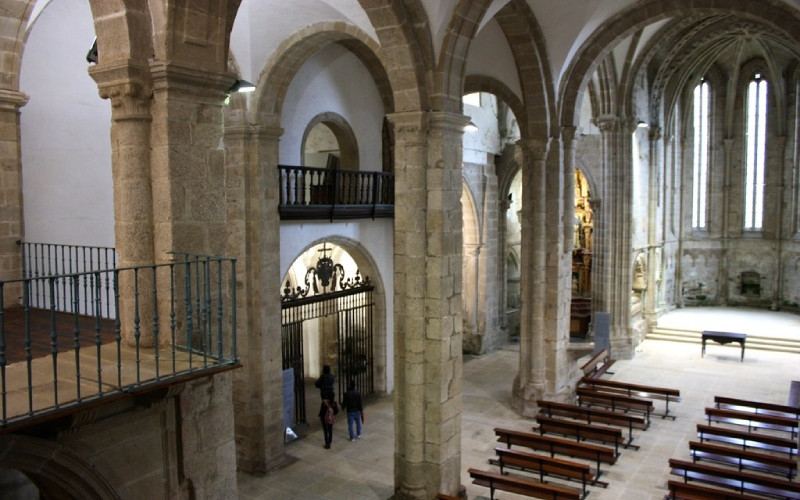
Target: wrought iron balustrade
x=53 y=259
x=169 y=322
x=313 y=193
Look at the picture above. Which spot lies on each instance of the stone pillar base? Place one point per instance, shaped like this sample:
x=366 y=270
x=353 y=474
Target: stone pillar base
x=523 y=397
x=622 y=348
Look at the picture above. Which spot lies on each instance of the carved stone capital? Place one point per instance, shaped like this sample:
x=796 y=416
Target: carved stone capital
x=410 y=126
x=607 y=123
x=173 y=77
x=127 y=86
x=534 y=149
x=11 y=100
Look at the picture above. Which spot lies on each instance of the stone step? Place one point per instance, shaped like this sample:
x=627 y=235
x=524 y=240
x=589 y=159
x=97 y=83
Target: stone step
x=753 y=341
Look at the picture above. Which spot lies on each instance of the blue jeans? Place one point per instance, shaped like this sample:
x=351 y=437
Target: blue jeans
x=354 y=416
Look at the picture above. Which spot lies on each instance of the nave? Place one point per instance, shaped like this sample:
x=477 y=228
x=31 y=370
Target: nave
x=363 y=469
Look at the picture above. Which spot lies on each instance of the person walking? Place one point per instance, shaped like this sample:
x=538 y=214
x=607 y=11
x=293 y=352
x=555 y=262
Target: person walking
x=325 y=384
x=355 y=411
x=327 y=415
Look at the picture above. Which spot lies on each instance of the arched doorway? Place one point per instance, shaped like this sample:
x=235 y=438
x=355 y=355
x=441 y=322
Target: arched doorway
x=582 y=245
x=327 y=319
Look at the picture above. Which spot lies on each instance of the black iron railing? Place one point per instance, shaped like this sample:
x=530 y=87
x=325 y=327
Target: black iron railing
x=52 y=259
x=310 y=192
x=168 y=322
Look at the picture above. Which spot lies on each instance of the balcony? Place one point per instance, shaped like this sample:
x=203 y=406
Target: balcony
x=81 y=331
x=322 y=193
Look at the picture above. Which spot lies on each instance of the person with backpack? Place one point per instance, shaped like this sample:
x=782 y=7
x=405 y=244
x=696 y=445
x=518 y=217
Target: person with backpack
x=327 y=415
x=355 y=412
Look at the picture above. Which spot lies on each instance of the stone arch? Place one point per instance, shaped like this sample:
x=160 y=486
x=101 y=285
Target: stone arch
x=289 y=57
x=368 y=268
x=124 y=30
x=488 y=84
x=471 y=245
x=56 y=471
x=605 y=38
x=13 y=32
x=348 y=144
x=403 y=31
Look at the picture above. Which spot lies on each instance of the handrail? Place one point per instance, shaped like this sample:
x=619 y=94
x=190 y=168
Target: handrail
x=313 y=186
x=167 y=321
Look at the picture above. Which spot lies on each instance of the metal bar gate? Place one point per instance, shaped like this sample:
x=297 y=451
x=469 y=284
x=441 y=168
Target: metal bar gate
x=353 y=310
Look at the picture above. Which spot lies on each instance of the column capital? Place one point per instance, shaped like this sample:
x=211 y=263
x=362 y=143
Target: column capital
x=167 y=76
x=568 y=134
x=245 y=130
x=607 y=123
x=535 y=149
x=656 y=133
x=447 y=121
x=128 y=87
x=12 y=100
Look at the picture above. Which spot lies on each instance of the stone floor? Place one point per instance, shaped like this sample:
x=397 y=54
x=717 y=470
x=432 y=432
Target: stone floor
x=364 y=469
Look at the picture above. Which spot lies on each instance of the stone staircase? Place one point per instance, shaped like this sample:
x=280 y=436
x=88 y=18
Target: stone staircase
x=762 y=342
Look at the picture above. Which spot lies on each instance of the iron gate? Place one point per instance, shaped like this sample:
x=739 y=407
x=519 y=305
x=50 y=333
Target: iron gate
x=328 y=293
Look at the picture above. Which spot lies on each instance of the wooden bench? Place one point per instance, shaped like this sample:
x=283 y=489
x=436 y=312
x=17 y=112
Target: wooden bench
x=637 y=390
x=598 y=365
x=731 y=478
x=597 y=453
x=581 y=431
x=690 y=491
x=753 y=420
x=521 y=486
x=593 y=415
x=747 y=439
x=590 y=397
x=444 y=496
x=743 y=458
x=544 y=465
x=724 y=402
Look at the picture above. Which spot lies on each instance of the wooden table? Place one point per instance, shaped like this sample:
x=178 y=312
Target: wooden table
x=723 y=338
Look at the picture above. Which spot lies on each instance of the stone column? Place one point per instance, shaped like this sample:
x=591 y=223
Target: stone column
x=127 y=86
x=428 y=359
x=654 y=242
x=11 y=216
x=253 y=190
x=187 y=161
x=614 y=278
x=529 y=384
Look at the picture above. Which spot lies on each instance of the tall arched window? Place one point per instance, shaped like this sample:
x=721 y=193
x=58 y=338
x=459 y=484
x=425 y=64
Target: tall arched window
x=701 y=148
x=756 y=152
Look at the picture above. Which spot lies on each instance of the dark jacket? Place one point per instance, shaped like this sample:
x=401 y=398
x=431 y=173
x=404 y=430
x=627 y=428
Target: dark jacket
x=325 y=385
x=352 y=401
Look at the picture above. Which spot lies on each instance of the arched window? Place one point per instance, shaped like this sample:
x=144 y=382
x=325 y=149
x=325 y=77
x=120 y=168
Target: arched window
x=702 y=109
x=756 y=152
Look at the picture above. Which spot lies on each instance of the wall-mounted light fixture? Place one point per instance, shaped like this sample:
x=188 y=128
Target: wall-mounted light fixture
x=241 y=86
x=470 y=127
x=91 y=56
x=642 y=124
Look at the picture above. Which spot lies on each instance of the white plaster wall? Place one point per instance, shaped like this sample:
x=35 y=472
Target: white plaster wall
x=490 y=55
x=376 y=239
x=260 y=27
x=333 y=80
x=66 y=146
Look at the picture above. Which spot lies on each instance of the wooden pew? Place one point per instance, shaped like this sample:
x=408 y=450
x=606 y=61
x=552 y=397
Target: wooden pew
x=590 y=397
x=744 y=458
x=747 y=439
x=597 y=365
x=637 y=390
x=593 y=415
x=581 y=431
x=544 y=465
x=521 y=486
x=597 y=453
x=724 y=402
x=679 y=490
x=753 y=420
x=744 y=482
